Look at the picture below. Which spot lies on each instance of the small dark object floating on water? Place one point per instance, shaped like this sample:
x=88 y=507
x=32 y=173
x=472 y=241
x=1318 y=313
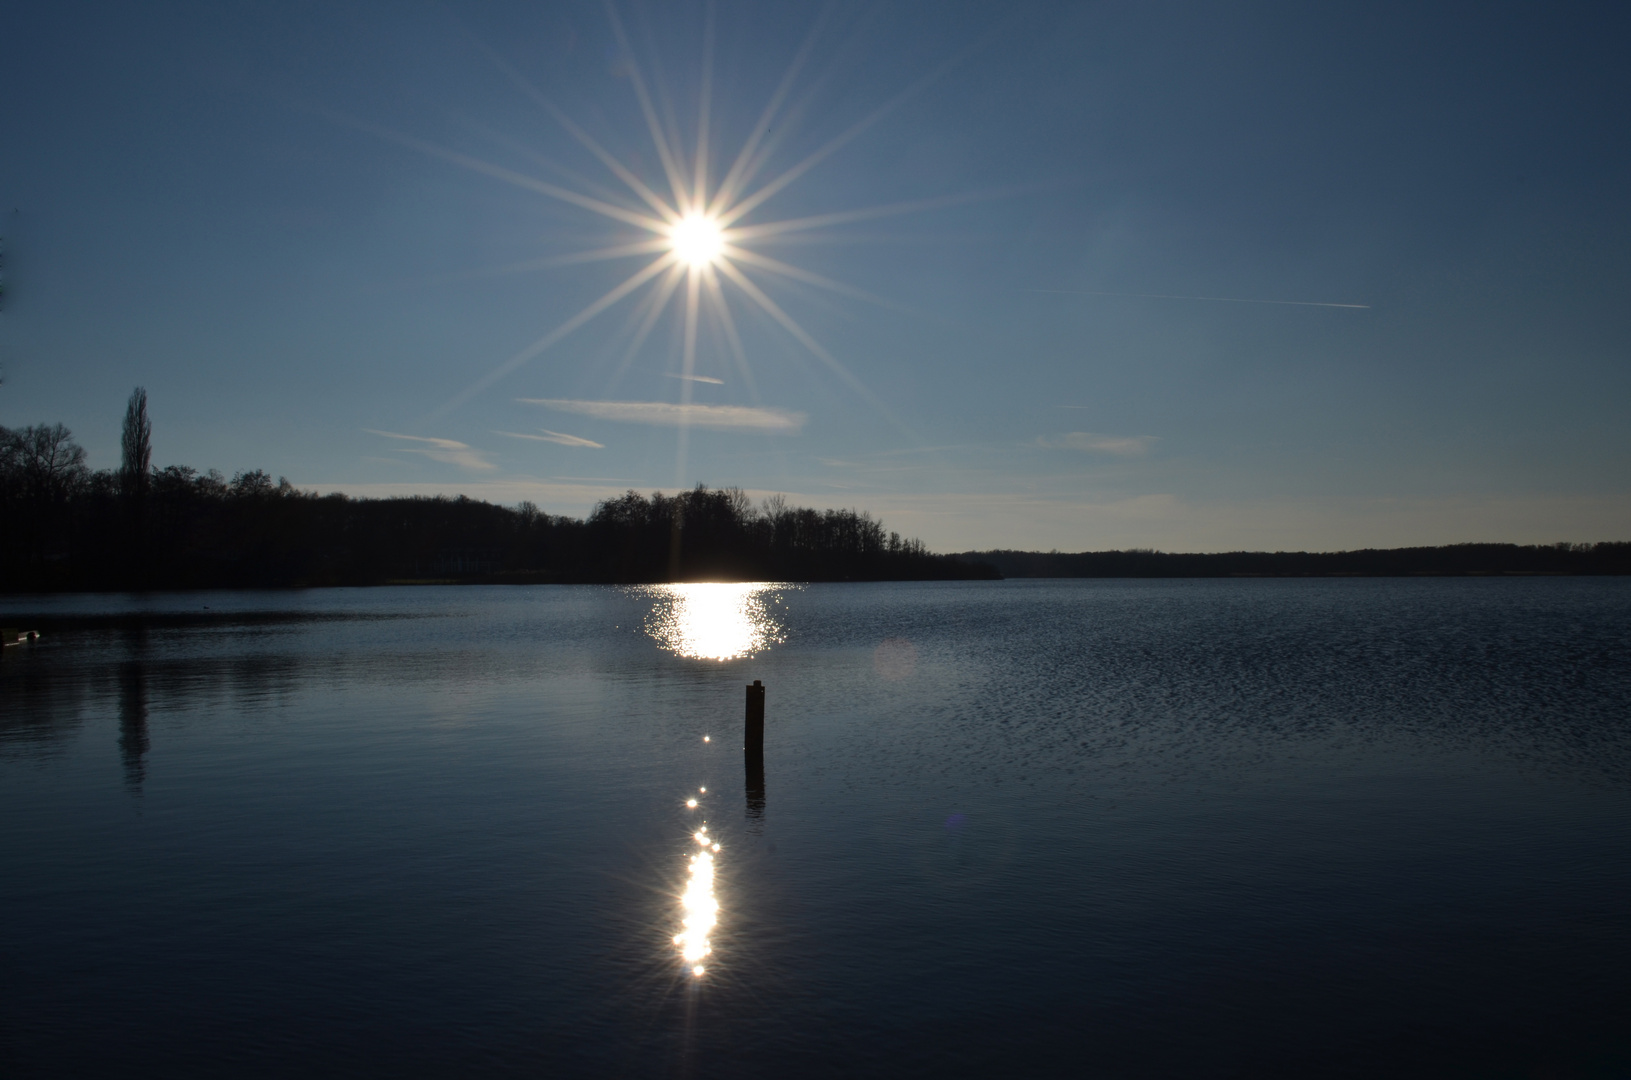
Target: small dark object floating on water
x=10 y=637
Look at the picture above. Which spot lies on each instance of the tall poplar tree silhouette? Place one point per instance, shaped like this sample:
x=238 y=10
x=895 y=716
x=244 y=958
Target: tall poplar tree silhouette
x=135 y=478
x=137 y=444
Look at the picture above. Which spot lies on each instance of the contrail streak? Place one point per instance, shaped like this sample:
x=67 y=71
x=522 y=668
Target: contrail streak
x=1220 y=299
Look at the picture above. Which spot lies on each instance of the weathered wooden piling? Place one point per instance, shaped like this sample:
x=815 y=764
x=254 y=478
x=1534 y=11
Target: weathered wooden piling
x=753 y=749
x=753 y=729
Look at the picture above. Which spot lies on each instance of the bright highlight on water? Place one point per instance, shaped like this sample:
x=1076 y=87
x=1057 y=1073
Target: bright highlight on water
x=714 y=621
x=700 y=906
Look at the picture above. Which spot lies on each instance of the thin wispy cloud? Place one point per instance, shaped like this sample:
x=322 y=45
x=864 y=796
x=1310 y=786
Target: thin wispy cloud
x=1094 y=443
x=669 y=414
x=696 y=378
x=449 y=451
x=555 y=437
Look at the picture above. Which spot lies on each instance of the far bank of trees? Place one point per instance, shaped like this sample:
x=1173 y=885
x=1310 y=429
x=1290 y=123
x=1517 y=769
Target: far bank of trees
x=1446 y=561
x=66 y=527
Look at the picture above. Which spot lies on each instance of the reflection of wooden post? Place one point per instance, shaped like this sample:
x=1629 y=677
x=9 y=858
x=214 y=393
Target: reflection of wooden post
x=753 y=749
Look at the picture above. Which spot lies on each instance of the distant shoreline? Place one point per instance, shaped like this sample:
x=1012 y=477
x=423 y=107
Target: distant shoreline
x=1451 y=560
x=67 y=529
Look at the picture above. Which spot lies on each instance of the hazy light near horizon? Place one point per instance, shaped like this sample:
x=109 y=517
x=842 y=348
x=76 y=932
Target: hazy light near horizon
x=686 y=414
x=1093 y=442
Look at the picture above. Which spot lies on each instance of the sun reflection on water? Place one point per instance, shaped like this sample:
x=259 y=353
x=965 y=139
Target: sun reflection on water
x=715 y=621
x=699 y=905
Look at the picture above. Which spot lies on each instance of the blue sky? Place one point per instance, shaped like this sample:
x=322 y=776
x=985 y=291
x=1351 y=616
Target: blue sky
x=299 y=227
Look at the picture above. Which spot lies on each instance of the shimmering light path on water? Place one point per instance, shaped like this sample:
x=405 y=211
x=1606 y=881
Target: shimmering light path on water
x=715 y=621
x=1174 y=828
x=698 y=903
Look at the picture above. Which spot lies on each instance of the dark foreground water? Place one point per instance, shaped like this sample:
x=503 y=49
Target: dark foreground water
x=1187 y=829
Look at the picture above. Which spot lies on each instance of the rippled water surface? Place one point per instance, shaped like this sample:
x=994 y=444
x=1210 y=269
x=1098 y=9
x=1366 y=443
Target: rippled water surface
x=1253 y=828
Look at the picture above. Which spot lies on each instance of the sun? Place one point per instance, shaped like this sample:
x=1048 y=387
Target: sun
x=700 y=239
x=697 y=240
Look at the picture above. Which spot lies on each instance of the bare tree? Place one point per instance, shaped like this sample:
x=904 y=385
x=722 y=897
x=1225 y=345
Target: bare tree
x=137 y=444
x=52 y=464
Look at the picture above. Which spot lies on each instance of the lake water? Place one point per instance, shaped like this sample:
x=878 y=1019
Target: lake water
x=1045 y=828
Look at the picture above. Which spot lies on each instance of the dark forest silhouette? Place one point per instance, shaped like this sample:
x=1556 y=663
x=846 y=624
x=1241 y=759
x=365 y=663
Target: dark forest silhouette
x=66 y=527
x=1449 y=560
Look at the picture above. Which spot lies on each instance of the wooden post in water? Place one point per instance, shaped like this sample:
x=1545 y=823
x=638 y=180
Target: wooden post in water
x=753 y=749
x=753 y=730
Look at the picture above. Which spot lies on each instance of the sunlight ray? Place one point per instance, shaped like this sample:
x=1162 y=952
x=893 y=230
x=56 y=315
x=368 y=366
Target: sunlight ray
x=587 y=141
x=663 y=97
x=499 y=172
x=740 y=233
x=644 y=247
x=722 y=311
x=738 y=210
x=656 y=302
x=688 y=365
x=774 y=310
x=699 y=183
x=695 y=234
x=586 y=185
x=790 y=118
x=776 y=266
x=676 y=176
x=728 y=187
x=640 y=277
x=875 y=237
x=619 y=251
x=621 y=171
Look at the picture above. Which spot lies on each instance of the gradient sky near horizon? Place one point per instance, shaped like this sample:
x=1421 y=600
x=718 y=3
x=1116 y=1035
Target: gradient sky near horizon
x=1101 y=321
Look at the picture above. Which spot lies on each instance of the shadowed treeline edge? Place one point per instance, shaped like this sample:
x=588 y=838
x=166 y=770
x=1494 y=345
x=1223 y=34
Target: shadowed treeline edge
x=66 y=528
x=1449 y=560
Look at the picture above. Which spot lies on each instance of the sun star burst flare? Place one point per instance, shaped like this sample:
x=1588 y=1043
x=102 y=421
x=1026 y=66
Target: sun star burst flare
x=699 y=242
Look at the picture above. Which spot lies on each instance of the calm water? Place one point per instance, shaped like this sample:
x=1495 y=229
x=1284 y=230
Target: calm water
x=1082 y=828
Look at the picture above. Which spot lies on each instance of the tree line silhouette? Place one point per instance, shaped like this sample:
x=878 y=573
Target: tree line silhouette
x=66 y=527
x=1448 y=560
